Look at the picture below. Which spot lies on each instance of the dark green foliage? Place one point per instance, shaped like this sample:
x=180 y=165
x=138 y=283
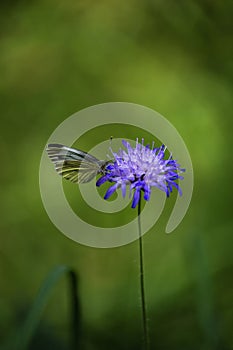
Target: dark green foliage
x=58 y=57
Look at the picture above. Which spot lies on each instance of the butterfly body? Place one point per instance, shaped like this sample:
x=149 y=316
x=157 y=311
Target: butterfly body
x=75 y=165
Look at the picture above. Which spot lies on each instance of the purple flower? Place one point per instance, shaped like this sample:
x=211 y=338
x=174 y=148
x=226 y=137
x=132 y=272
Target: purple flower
x=141 y=167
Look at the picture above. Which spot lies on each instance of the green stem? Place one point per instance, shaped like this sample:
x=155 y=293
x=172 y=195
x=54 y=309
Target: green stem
x=142 y=286
x=23 y=337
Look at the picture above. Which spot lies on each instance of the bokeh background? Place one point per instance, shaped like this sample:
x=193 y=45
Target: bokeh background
x=58 y=57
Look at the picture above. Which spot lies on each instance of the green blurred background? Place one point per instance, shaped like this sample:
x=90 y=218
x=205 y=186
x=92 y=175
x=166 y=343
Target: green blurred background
x=175 y=57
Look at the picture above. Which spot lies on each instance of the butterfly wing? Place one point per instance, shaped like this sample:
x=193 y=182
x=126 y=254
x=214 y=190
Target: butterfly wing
x=74 y=165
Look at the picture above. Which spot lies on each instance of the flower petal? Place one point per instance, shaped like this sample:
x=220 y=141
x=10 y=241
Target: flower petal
x=177 y=187
x=136 y=197
x=110 y=191
x=102 y=180
x=123 y=189
x=147 y=192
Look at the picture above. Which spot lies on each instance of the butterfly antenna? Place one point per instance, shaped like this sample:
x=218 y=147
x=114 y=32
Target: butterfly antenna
x=110 y=141
x=110 y=146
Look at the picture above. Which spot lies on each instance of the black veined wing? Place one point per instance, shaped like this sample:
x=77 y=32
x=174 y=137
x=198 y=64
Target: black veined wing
x=75 y=165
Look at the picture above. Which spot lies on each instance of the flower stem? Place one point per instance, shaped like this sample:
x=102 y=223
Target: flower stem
x=142 y=287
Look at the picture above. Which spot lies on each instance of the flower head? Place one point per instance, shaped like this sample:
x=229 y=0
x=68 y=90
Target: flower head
x=141 y=167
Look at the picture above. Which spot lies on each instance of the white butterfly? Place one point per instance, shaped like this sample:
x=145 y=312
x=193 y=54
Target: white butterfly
x=75 y=165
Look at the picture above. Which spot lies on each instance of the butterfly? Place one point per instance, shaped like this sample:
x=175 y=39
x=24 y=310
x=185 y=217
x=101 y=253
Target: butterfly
x=75 y=165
